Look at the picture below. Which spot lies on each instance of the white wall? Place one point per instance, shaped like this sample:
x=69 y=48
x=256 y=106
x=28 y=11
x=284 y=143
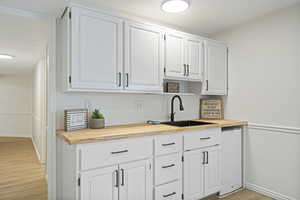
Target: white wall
x=39 y=109
x=264 y=70
x=16 y=105
x=127 y=108
x=264 y=88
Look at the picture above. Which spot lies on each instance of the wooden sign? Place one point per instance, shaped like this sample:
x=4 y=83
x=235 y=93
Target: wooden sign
x=211 y=109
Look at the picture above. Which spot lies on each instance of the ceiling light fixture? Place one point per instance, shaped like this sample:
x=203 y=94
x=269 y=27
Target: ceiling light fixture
x=175 y=6
x=6 y=57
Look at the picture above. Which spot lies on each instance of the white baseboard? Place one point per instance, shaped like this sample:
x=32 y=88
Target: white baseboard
x=267 y=192
x=14 y=135
x=37 y=152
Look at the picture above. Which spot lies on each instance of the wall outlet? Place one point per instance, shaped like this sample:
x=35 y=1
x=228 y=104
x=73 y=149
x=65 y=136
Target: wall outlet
x=139 y=105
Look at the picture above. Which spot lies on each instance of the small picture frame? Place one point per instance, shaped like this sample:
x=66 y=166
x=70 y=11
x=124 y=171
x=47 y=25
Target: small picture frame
x=76 y=119
x=211 y=109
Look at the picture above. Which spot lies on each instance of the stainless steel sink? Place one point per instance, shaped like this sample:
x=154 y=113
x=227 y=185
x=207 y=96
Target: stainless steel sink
x=186 y=123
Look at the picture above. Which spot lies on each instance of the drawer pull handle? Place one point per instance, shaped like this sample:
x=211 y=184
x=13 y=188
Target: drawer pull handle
x=168 y=166
x=169 y=144
x=206 y=138
x=168 y=195
x=117 y=152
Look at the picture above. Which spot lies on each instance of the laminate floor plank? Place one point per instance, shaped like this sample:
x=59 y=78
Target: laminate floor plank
x=22 y=177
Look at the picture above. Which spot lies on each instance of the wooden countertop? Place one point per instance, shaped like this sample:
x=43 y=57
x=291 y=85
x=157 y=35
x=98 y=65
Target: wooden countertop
x=135 y=130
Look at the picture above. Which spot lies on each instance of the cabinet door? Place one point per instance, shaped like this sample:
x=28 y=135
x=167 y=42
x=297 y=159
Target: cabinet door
x=174 y=55
x=212 y=170
x=193 y=175
x=194 y=59
x=136 y=181
x=143 y=57
x=99 y=184
x=215 y=69
x=96 y=42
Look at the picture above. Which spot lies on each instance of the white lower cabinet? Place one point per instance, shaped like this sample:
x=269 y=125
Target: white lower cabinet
x=212 y=170
x=171 y=191
x=100 y=184
x=131 y=181
x=167 y=168
x=136 y=181
x=177 y=166
x=193 y=187
x=202 y=172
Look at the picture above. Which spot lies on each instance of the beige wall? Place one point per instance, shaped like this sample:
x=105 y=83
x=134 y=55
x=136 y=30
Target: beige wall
x=16 y=105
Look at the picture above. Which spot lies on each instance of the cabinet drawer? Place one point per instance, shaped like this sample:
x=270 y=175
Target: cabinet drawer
x=171 y=191
x=166 y=144
x=203 y=138
x=109 y=153
x=167 y=168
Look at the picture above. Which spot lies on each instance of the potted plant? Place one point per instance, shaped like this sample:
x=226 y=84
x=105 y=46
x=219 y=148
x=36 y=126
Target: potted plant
x=97 y=121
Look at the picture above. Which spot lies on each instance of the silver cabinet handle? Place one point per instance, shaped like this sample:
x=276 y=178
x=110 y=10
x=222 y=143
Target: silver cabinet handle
x=203 y=161
x=168 y=144
x=205 y=138
x=188 y=70
x=122 y=172
x=184 y=68
x=168 y=195
x=127 y=79
x=117 y=178
x=118 y=152
x=207 y=157
x=120 y=79
x=168 y=166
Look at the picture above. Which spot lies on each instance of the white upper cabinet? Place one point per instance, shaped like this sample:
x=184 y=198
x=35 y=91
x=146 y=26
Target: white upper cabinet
x=174 y=55
x=143 y=57
x=215 y=69
x=183 y=56
x=106 y=53
x=96 y=50
x=194 y=58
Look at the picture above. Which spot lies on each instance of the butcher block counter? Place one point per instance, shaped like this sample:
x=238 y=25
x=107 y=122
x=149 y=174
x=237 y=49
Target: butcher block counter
x=136 y=130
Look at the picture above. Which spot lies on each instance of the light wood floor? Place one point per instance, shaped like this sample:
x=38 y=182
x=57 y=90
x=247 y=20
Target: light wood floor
x=21 y=175
x=242 y=195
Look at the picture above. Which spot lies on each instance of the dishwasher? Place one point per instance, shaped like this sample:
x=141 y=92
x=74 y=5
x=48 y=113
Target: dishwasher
x=231 y=163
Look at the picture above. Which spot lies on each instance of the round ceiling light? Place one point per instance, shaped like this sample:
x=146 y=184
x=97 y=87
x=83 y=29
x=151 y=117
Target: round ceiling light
x=6 y=57
x=175 y=6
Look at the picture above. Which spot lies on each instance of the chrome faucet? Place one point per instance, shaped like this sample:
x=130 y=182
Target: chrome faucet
x=172 y=106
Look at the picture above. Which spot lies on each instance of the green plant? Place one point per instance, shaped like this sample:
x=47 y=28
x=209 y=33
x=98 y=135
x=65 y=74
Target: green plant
x=97 y=115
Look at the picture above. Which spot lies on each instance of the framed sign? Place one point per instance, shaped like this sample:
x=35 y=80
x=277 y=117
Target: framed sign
x=211 y=109
x=76 y=119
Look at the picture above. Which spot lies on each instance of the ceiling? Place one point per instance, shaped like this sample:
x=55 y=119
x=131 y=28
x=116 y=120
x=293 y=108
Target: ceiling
x=24 y=38
x=204 y=16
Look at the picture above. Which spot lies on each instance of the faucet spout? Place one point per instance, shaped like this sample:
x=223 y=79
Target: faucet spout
x=172 y=106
